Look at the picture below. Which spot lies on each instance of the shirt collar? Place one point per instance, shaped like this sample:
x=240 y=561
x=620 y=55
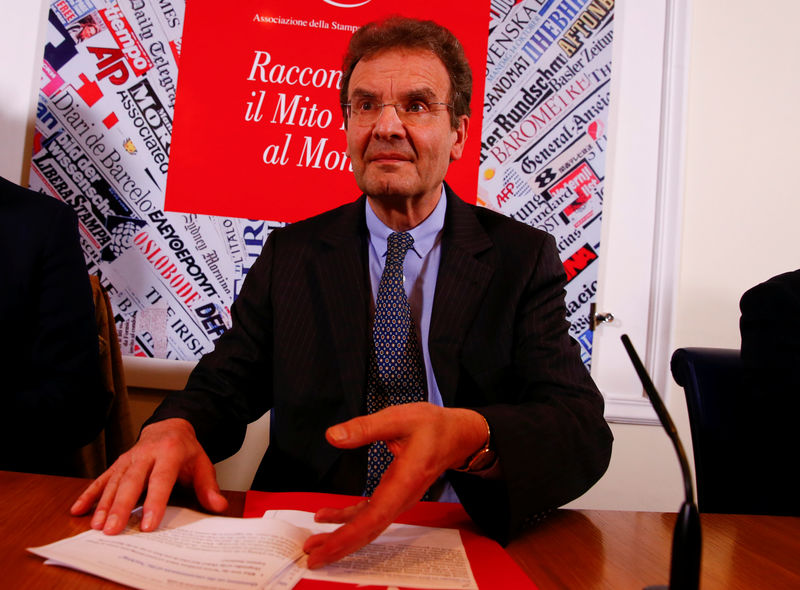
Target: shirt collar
x=424 y=234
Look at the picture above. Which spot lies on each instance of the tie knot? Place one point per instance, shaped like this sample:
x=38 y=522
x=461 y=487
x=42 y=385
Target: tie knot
x=397 y=244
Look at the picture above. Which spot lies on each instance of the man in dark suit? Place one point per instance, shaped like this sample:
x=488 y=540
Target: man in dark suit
x=769 y=325
x=52 y=399
x=510 y=422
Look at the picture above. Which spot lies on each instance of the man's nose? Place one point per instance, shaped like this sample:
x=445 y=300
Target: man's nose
x=389 y=123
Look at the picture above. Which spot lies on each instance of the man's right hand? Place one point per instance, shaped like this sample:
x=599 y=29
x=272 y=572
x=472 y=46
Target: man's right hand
x=165 y=452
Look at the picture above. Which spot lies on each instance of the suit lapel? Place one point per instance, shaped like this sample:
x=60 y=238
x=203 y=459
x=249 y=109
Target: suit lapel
x=460 y=287
x=341 y=269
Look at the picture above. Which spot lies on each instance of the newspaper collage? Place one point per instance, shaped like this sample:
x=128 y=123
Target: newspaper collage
x=104 y=129
x=102 y=142
x=544 y=139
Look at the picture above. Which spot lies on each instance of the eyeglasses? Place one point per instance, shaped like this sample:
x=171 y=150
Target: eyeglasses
x=415 y=112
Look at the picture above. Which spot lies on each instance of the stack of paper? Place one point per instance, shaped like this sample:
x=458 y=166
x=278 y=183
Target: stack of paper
x=196 y=551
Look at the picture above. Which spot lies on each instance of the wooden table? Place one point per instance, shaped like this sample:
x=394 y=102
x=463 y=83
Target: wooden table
x=573 y=549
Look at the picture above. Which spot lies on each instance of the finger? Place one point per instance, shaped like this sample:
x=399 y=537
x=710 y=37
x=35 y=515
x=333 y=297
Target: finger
x=206 y=487
x=90 y=495
x=390 y=423
x=347 y=435
x=340 y=514
x=366 y=520
x=343 y=541
x=315 y=541
x=363 y=528
x=109 y=493
x=127 y=494
x=159 y=487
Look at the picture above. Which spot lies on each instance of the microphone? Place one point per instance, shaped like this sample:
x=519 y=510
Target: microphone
x=684 y=573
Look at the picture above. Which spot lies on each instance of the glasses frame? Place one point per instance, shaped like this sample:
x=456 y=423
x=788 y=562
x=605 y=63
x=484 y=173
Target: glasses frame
x=400 y=110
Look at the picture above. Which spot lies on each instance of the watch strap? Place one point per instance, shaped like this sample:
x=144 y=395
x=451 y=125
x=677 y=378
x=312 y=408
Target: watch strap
x=482 y=458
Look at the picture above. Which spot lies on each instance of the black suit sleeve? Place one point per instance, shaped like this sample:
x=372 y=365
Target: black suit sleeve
x=232 y=385
x=54 y=399
x=546 y=414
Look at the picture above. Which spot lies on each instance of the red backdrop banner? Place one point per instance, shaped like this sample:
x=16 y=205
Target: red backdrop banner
x=258 y=130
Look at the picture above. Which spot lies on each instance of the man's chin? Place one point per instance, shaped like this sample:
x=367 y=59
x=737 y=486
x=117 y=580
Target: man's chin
x=386 y=190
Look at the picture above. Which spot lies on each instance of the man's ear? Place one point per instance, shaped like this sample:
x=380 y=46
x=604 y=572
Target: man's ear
x=460 y=138
x=346 y=137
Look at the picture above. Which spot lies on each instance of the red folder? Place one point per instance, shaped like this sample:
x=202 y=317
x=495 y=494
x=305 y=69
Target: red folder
x=492 y=567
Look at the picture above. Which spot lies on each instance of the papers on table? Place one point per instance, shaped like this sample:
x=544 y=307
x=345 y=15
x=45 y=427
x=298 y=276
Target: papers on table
x=196 y=551
x=404 y=555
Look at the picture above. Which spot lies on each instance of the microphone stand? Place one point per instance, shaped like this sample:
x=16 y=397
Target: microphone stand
x=684 y=573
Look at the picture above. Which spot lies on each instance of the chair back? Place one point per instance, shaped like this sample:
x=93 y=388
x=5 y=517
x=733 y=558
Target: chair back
x=117 y=435
x=714 y=384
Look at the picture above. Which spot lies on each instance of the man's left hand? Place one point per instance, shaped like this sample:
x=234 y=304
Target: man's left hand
x=425 y=440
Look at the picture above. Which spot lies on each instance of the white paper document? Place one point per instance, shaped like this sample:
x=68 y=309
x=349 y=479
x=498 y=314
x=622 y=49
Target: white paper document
x=191 y=550
x=403 y=555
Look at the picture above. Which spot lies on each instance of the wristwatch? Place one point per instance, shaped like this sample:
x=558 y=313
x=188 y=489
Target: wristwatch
x=483 y=458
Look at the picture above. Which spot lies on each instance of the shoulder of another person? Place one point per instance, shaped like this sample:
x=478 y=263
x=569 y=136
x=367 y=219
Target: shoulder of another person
x=30 y=214
x=781 y=289
x=788 y=280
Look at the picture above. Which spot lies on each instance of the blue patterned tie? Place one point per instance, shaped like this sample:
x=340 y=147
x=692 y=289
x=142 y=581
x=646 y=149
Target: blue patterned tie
x=396 y=374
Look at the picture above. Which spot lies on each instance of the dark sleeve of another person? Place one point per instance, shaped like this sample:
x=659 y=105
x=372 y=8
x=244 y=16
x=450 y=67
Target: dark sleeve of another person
x=54 y=402
x=770 y=325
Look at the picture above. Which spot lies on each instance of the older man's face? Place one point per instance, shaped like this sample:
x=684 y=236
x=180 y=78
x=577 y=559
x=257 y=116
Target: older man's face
x=407 y=158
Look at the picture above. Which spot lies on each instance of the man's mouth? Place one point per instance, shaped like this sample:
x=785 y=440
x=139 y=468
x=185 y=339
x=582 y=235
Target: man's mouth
x=388 y=157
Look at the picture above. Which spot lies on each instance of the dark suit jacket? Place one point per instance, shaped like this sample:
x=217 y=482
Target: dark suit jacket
x=498 y=343
x=770 y=325
x=52 y=399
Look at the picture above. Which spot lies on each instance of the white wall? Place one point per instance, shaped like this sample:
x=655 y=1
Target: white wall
x=22 y=30
x=742 y=195
x=741 y=210
x=740 y=200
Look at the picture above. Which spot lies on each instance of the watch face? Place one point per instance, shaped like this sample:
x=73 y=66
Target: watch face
x=482 y=460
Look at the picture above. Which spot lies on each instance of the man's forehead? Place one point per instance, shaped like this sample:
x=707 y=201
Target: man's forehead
x=415 y=69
